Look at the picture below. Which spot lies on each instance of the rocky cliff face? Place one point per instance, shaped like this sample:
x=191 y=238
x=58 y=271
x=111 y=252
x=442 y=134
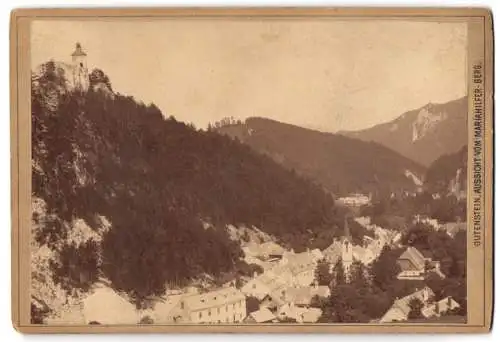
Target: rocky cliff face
x=423 y=134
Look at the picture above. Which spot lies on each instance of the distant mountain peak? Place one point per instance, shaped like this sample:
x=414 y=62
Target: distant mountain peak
x=423 y=134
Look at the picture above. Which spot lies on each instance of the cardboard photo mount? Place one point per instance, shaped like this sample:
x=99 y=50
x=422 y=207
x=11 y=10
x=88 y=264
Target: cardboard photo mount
x=480 y=162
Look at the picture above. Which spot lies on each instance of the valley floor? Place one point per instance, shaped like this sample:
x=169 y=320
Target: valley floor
x=286 y=287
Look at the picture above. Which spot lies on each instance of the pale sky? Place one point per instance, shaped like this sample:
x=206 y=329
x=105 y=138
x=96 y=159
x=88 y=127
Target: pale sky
x=323 y=73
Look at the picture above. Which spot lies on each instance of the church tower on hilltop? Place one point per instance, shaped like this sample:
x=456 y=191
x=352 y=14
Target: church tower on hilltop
x=347 y=257
x=80 y=71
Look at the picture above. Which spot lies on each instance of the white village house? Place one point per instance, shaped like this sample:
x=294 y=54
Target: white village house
x=227 y=305
x=300 y=267
x=354 y=200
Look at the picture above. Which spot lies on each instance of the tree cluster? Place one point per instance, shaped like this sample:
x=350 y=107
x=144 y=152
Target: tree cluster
x=398 y=212
x=365 y=293
x=444 y=170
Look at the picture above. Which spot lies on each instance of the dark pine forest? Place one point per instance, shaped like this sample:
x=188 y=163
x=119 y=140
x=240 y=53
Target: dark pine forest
x=157 y=180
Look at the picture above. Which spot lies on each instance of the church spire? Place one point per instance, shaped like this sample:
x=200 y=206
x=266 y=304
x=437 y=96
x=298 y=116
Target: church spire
x=347 y=232
x=347 y=255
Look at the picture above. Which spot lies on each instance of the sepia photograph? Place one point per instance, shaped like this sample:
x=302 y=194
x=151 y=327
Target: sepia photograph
x=251 y=171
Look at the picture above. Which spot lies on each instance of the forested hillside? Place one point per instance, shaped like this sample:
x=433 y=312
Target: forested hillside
x=167 y=190
x=448 y=173
x=336 y=162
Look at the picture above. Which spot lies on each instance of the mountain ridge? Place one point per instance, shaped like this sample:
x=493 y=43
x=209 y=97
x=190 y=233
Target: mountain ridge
x=423 y=134
x=340 y=164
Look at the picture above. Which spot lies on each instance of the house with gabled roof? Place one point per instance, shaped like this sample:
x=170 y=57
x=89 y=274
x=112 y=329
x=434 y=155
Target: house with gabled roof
x=301 y=266
x=303 y=296
x=438 y=308
x=312 y=315
x=264 y=284
x=298 y=296
x=412 y=261
x=226 y=305
x=271 y=250
x=265 y=251
x=263 y=315
x=298 y=313
x=333 y=252
x=414 y=265
x=400 y=309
